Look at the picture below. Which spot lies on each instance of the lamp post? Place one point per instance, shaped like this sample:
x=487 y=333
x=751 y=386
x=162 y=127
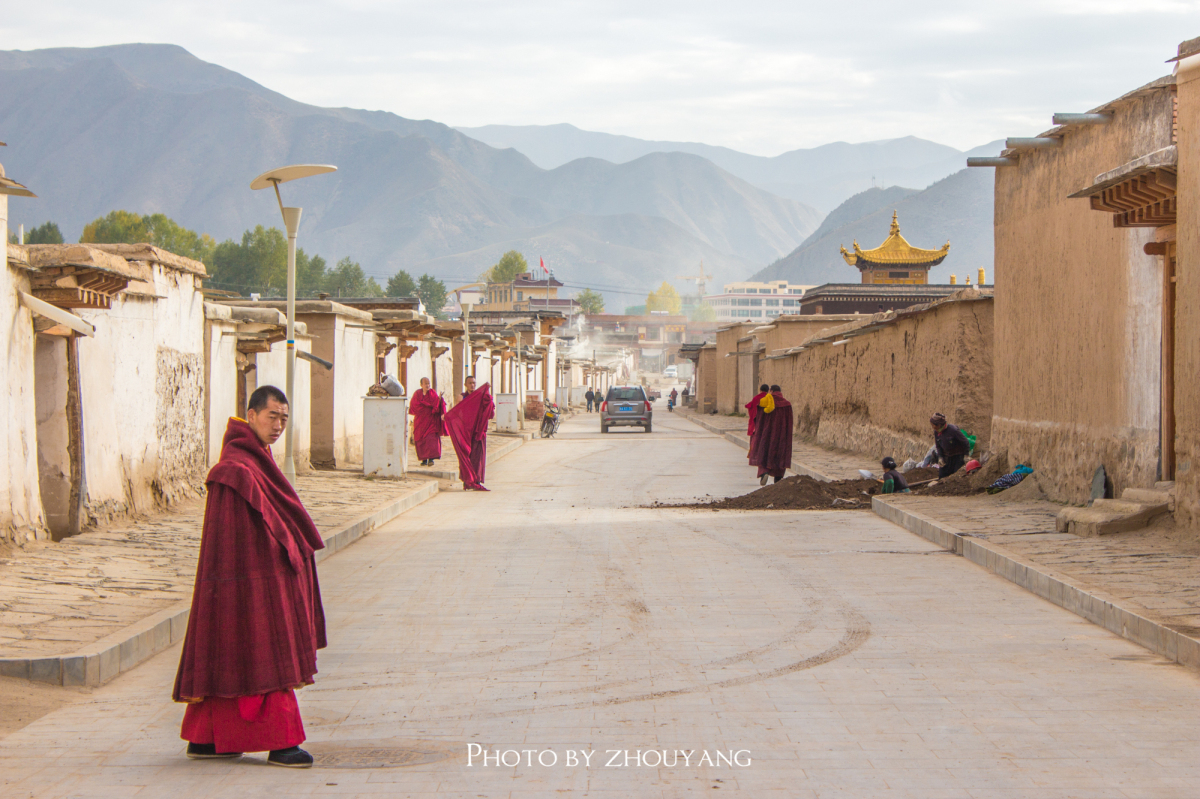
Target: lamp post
x=291 y=221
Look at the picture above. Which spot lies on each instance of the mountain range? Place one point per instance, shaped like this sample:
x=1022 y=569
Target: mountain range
x=821 y=177
x=957 y=208
x=151 y=128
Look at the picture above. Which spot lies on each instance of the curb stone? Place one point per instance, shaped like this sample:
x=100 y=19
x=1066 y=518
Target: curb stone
x=102 y=660
x=1121 y=617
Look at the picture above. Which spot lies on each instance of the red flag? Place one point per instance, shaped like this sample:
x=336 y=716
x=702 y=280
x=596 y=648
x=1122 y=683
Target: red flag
x=542 y=264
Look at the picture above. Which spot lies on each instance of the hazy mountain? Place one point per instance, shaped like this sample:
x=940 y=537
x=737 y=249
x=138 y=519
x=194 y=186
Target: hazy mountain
x=151 y=128
x=820 y=176
x=958 y=208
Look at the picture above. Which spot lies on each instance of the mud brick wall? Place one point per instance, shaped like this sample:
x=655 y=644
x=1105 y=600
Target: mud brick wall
x=1079 y=311
x=1187 y=298
x=875 y=394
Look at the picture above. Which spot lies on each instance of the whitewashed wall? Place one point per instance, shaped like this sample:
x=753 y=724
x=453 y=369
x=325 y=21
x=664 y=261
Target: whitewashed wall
x=220 y=357
x=21 y=516
x=142 y=386
x=271 y=370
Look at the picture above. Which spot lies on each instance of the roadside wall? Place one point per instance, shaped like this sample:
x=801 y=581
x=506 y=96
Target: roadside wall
x=336 y=413
x=1078 y=307
x=875 y=394
x=790 y=331
x=706 y=379
x=270 y=369
x=21 y=516
x=221 y=375
x=727 y=368
x=1187 y=297
x=142 y=379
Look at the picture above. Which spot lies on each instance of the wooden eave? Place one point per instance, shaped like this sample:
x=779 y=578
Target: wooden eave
x=1141 y=193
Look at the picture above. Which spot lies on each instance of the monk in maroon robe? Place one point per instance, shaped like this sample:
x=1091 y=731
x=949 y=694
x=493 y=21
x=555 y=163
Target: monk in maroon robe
x=256 y=621
x=428 y=410
x=771 y=451
x=468 y=425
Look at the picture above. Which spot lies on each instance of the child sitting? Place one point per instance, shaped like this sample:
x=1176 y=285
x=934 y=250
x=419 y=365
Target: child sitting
x=893 y=481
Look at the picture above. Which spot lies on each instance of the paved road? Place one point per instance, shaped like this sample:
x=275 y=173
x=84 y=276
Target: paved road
x=789 y=654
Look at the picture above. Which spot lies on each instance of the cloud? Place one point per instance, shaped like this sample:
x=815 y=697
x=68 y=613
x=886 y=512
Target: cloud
x=764 y=77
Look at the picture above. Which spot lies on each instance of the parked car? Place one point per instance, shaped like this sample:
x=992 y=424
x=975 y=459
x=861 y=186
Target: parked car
x=671 y=371
x=626 y=405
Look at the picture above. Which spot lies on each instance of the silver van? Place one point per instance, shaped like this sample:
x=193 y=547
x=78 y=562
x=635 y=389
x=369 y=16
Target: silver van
x=626 y=405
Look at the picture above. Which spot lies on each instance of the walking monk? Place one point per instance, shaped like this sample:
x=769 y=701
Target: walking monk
x=771 y=450
x=468 y=425
x=256 y=622
x=429 y=425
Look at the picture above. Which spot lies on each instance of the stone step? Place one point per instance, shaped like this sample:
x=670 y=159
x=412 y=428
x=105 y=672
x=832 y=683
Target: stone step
x=1108 y=516
x=1150 y=496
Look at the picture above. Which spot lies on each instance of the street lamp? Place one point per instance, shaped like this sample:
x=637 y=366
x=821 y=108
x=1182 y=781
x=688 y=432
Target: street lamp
x=291 y=221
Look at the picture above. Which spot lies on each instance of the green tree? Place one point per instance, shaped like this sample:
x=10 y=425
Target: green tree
x=433 y=294
x=310 y=274
x=704 y=313
x=592 y=302
x=511 y=264
x=125 y=227
x=47 y=233
x=257 y=264
x=401 y=284
x=665 y=299
x=347 y=279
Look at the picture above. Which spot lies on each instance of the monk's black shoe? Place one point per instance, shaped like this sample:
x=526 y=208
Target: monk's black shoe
x=294 y=757
x=208 y=752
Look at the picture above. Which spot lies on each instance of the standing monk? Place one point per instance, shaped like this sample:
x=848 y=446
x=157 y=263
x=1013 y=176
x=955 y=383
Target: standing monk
x=256 y=622
x=468 y=425
x=771 y=451
x=752 y=410
x=429 y=425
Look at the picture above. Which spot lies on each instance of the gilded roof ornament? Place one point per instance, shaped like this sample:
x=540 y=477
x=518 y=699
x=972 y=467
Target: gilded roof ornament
x=895 y=251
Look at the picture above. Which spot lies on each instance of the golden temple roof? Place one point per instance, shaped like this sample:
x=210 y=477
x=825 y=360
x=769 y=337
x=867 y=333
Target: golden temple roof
x=895 y=251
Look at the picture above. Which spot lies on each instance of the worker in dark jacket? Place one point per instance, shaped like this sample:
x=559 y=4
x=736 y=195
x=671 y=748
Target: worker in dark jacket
x=952 y=445
x=893 y=481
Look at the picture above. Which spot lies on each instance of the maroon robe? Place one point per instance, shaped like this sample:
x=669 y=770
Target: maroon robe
x=256 y=621
x=752 y=412
x=428 y=410
x=771 y=449
x=468 y=425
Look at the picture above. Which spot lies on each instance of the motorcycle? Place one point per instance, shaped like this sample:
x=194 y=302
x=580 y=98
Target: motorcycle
x=671 y=403
x=551 y=420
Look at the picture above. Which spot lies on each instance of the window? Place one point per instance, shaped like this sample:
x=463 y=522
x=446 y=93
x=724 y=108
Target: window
x=520 y=296
x=772 y=303
x=897 y=274
x=749 y=291
x=790 y=303
x=797 y=291
x=626 y=394
x=756 y=302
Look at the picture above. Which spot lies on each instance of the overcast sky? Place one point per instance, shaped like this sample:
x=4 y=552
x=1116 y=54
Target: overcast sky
x=762 y=77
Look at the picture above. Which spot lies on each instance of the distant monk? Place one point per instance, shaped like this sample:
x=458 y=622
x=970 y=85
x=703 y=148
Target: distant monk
x=752 y=410
x=771 y=450
x=256 y=621
x=468 y=425
x=428 y=410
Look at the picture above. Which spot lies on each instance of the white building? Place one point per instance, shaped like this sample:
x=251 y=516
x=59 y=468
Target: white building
x=746 y=301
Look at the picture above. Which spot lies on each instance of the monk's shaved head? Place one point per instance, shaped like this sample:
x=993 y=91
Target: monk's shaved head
x=267 y=413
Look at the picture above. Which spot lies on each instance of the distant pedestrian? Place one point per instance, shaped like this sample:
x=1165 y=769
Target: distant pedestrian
x=428 y=410
x=753 y=409
x=893 y=481
x=256 y=621
x=771 y=450
x=590 y=396
x=468 y=425
x=952 y=445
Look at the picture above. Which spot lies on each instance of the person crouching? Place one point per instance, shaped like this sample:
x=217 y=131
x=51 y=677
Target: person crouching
x=893 y=481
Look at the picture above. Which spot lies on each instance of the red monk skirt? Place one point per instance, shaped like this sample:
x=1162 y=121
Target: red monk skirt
x=429 y=425
x=245 y=724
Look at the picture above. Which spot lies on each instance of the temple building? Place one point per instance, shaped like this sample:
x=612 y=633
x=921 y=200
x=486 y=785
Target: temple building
x=895 y=261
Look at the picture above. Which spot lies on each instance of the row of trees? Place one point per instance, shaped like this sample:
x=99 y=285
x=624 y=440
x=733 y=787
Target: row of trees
x=257 y=263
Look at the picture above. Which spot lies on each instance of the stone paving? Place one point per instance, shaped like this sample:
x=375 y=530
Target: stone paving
x=58 y=597
x=790 y=654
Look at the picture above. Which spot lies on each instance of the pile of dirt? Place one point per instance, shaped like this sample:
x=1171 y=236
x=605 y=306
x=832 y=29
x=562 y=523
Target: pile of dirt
x=961 y=484
x=919 y=475
x=801 y=493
